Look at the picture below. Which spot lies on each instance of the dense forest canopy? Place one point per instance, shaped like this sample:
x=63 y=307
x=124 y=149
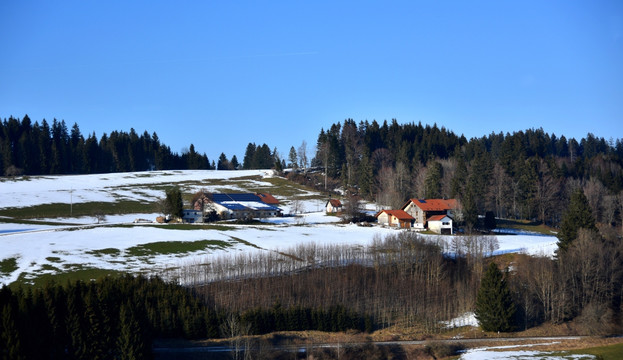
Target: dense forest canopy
x=527 y=174
x=41 y=149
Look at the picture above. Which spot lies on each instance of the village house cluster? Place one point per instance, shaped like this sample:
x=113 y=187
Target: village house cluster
x=420 y=214
x=435 y=215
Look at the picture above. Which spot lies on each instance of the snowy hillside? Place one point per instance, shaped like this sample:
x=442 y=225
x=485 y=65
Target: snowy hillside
x=30 y=250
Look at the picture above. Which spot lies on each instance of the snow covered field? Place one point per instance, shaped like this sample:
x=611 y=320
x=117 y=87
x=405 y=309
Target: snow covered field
x=505 y=353
x=118 y=244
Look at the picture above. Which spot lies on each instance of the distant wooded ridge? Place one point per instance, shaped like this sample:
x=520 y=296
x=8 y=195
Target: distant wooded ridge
x=527 y=174
x=41 y=149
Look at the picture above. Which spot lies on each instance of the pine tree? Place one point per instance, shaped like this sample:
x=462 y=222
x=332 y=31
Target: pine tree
x=495 y=309
x=433 y=181
x=578 y=215
x=173 y=203
x=223 y=163
x=292 y=158
x=366 y=177
x=235 y=165
x=9 y=334
x=128 y=342
x=247 y=161
x=489 y=221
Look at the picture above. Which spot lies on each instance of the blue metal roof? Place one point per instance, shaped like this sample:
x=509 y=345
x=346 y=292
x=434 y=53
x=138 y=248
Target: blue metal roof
x=235 y=197
x=234 y=206
x=230 y=201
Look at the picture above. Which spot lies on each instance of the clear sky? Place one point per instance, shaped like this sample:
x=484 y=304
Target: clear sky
x=221 y=74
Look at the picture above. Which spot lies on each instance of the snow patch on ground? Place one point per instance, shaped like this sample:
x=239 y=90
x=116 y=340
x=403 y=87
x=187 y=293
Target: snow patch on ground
x=36 y=190
x=492 y=353
x=467 y=319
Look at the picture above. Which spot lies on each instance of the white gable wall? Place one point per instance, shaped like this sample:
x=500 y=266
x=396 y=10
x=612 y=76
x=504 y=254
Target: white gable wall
x=439 y=225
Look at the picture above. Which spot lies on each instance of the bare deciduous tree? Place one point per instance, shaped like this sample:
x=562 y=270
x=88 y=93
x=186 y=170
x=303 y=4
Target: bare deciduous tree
x=296 y=206
x=546 y=191
x=302 y=156
x=99 y=216
x=500 y=191
x=595 y=192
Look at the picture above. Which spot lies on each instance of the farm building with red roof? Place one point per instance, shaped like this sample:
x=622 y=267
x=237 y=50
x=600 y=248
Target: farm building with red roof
x=398 y=218
x=427 y=211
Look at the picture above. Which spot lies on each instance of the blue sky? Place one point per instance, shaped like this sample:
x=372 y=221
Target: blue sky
x=221 y=74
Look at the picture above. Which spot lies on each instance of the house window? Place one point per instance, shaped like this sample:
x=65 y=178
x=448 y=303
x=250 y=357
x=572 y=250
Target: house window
x=446 y=223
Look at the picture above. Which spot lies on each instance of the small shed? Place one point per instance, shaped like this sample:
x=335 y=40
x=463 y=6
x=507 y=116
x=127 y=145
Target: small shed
x=333 y=206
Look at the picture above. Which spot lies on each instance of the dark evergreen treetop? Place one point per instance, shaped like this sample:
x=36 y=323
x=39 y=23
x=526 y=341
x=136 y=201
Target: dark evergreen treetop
x=259 y=157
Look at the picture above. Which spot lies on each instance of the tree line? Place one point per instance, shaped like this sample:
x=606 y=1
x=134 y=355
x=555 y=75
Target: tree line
x=118 y=318
x=524 y=175
x=40 y=149
x=28 y=148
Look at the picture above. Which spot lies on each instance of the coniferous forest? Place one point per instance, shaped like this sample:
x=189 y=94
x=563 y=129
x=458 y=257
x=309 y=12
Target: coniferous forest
x=524 y=175
x=118 y=318
x=44 y=149
x=41 y=149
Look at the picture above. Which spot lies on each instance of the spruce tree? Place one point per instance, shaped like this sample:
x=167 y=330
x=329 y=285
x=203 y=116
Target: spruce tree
x=235 y=165
x=128 y=342
x=578 y=215
x=489 y=221
x=292 y=158
x=9 y=334
x=433 y=181
x=494 y=305
x=173 y=202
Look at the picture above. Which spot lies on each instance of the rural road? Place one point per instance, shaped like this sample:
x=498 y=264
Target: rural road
x=303 y=347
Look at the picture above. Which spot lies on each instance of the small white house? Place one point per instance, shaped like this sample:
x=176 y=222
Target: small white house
x=334 y=206
x=441 y=224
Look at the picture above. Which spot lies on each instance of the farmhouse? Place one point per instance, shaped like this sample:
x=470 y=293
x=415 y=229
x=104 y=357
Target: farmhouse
x=333 y=206
x=427 y=213
x=398 y=218
x=238 y=206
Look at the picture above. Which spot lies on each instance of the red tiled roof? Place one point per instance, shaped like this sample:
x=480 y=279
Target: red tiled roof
x=400 y=214
x=434 y=204
x=437 y=217
x=268 y=199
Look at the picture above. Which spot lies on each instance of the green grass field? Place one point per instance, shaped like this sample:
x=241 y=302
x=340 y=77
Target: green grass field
x=73 y=272
x=49 y=211
x=175 y=247
x=530 y=226
x=610 y=352
x=7 y=266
